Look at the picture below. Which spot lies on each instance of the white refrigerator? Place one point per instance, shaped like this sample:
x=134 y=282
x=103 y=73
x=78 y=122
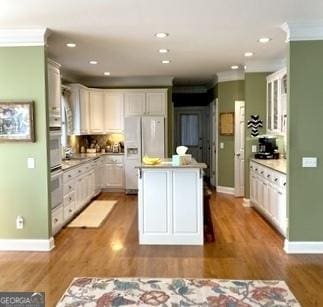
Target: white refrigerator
x=144 y=135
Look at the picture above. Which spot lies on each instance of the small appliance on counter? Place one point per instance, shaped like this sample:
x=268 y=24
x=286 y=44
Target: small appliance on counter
x=267 y=148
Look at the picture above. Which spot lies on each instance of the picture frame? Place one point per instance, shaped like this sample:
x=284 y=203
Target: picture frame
x=226 y=123
x=17 y=121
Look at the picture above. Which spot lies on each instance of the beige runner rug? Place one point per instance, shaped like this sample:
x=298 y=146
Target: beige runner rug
x=94 y=215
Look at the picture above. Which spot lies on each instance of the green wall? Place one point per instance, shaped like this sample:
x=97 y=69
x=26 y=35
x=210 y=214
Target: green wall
x=305 y=126
x=255 y=103
x=227 y=92
x=25 y=191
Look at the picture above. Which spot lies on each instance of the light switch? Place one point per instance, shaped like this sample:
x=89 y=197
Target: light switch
x=254 y=148
x=309 y=162
x=31 y=163
x=221 y=145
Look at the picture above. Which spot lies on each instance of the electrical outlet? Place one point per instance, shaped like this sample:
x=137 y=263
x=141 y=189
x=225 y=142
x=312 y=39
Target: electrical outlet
x=221 y=145
x=254 y=148
x=19 y=222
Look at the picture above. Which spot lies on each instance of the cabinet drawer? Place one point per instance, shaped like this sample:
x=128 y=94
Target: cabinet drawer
x=69 y=199
x=69 y=187
x=113 y=159
x=69 y=212
x=57 y=219
x=69 y=175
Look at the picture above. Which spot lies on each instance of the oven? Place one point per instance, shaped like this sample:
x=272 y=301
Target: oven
x=56 y=188
x=55 y=148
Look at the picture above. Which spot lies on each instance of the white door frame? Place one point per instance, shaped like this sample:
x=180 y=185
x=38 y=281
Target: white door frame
x=239 y=149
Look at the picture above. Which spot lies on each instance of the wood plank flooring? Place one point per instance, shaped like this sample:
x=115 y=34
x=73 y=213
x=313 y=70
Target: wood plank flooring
x=246 y=247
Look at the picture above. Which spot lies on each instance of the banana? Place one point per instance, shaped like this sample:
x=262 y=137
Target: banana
x=151 y=161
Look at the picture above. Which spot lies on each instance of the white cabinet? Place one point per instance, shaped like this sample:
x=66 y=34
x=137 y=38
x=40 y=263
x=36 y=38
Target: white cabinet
x=135 y=104
x=57 y=219
x=156 y=104
x=170 y=206
x=113 y=172
x=113 y=111
x=268 y=194
x=81 y=109
x=146 y=102
x=54 y=93
x=96 y=111
x=277 y=101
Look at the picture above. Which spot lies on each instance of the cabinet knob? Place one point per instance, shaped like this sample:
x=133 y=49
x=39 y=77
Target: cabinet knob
x=70 y=198
x=268 y=175
x=55 y=220
x=250 y=167
x=261 y=172
x=276 y=179
x=69 y=176
x=256 y=169
x=284 y=183
x=70 y=210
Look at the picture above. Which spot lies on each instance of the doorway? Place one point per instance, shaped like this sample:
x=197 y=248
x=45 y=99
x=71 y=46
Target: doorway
x=239 y=133
x=192 y=130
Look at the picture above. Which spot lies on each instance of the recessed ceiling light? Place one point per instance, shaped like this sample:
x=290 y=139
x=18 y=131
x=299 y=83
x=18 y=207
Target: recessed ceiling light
x=234 y=67
x=248 y=54
x=93 y=62
x=71 y=45
x=163 y=50
x=106 y=73
x=264 y=40
x=161 y=35
x=165 y=61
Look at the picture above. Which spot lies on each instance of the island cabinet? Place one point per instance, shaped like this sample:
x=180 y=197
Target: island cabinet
x=170 y=205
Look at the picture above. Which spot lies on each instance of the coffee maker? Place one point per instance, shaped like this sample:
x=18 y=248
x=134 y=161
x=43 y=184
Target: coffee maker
x=267 y=148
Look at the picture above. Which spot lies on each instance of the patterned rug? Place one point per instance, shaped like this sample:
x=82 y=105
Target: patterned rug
x=104 y=292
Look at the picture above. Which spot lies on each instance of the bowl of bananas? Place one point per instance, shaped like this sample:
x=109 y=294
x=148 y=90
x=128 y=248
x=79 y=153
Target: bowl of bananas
x=150 y=160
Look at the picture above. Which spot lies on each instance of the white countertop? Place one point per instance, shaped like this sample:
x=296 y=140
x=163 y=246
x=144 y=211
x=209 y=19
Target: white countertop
x=167 y=163
x=279 y=165
x=81 y=158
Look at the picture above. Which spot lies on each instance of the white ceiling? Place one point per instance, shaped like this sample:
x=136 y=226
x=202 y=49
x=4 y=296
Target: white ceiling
x=206 y=36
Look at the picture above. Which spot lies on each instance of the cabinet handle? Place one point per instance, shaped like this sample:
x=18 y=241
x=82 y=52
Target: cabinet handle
x=284 y=184
x=268 y=176
x=261 y=172
x=55 y=220
x=276 y=179
x=56 y=119
x=70 y=198
x=54 y=108
x=256 y=169
x=69 y=176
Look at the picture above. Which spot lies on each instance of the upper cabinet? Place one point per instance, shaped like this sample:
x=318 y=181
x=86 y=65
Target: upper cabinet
x=96 y=111
x=146 y=102
x=277 y=102
x=54 y=94
x=113 y=111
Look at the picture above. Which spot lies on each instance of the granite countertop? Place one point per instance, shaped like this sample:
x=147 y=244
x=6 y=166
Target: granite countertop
x=81 y=158
x=279 y=165
x=167 y=163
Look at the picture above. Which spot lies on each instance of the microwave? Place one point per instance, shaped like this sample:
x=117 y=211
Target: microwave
x=55 y=148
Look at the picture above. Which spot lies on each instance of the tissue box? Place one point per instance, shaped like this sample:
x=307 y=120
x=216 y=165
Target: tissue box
x=179 y=160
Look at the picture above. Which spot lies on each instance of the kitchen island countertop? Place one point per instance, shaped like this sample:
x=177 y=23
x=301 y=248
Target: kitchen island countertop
x=167 y=163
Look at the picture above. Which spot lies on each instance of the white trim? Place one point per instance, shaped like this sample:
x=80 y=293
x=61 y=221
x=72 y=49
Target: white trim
x=230 y=75
x=303 y=247
x=264 y=66
x=23 y=37
x=246 y=203
x=303 y=31
x=27 y=245
x=225 y=190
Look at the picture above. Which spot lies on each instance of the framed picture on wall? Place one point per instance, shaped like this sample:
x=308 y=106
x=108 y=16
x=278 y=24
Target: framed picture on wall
x=227 y=123
x=17 y=121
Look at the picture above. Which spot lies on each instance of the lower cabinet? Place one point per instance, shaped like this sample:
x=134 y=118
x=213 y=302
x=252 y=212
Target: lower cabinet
x=170 y=207
x=113 y=172
x=268 y=195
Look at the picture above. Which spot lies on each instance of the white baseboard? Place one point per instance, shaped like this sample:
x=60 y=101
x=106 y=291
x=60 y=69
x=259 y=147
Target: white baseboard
x=246 y=202
x=306 y=247
x=226 y=190
x=27 y=245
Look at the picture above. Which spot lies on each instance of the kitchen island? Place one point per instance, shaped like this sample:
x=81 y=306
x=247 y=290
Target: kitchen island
x=170 y=203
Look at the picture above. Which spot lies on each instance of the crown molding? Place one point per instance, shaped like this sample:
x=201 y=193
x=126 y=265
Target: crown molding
x=127 y=81
x=23 y=37
x=303 y=31
x=264 y=66
x=230 y=75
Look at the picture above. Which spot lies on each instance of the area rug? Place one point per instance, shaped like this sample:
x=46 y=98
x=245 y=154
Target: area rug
x=94 y=215
x=104 y=292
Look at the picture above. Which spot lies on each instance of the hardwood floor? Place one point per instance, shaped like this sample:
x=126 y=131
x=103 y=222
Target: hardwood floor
x=246 y=247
